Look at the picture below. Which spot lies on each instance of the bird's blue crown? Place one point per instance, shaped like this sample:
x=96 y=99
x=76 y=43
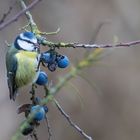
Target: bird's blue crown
x=25 y=40
x=29 y=35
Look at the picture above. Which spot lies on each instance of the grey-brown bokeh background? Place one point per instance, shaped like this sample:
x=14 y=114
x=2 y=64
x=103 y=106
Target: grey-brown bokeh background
x=111 y=114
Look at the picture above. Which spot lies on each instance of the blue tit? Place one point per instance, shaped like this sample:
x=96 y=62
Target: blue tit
x=22 y=62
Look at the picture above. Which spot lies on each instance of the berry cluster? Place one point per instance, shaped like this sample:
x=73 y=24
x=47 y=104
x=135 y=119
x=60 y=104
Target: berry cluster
x=51 y=59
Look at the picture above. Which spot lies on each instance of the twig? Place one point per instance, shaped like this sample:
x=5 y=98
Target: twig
x=78 y=45
x=29 y=16
x=128 y=44
x=49 y=128
x=15 y=18
x=7 y=44
x=25 y=27
x=50 y=33
x=6 y=14
x=34 y=135
x=96 y=31
x=77 y=128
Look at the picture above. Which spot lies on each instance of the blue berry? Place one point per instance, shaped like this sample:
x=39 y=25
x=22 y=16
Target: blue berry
x=47 y=57
x=63 y=61
x=38 y=112
x=42 y=78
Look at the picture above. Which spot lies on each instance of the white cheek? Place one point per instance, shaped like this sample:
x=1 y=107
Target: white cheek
x=25 y=45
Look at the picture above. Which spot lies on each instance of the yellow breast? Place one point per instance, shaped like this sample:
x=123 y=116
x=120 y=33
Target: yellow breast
x=27 y=63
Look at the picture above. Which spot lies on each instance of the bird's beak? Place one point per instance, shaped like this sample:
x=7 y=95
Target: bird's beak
x=37 y=46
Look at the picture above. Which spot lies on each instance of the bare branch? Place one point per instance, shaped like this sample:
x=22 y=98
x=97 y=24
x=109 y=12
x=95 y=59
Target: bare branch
x=29 y=16
x=34 y=135
x=15 y=18
x=49 y=127
x=71 y=122
x=128 y=44
x=6 y=14
x=78 y=45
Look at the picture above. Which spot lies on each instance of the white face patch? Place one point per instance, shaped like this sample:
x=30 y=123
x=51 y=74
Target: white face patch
x=33 y=40
x=25 y=45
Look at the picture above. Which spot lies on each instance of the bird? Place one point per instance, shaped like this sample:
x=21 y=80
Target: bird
x=22 y=62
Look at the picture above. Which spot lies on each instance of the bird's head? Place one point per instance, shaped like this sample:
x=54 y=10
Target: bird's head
x=26 y=41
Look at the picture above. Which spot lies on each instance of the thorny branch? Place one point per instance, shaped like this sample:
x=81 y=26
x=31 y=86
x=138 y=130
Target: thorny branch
x=71 y=122
x=15 y=18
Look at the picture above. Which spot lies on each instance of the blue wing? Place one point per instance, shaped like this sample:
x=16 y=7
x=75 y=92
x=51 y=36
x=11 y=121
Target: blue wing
x=11 y=63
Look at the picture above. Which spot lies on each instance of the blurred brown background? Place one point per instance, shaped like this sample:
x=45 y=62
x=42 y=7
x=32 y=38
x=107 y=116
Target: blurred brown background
x=109 y=113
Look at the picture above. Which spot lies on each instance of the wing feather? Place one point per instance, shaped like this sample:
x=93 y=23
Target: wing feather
x=11 y=63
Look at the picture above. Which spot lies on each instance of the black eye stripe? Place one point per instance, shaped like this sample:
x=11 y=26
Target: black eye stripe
x=27 y=41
